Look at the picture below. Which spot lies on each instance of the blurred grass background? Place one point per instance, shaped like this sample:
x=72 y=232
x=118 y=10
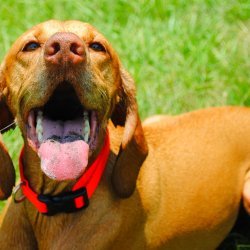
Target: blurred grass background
x=183 y=55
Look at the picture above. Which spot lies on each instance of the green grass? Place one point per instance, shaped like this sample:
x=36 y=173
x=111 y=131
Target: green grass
x=184 y=55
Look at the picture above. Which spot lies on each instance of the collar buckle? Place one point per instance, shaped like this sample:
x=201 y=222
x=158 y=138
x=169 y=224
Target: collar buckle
x=65 y=202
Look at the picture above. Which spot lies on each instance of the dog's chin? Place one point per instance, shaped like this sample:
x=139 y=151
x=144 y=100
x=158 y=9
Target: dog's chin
x=63 y=133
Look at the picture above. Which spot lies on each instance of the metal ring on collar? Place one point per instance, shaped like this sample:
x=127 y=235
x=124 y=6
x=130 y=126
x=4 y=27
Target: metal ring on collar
x=15 y=192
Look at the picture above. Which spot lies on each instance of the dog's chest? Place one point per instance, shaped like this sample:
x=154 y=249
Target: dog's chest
x=101 y=226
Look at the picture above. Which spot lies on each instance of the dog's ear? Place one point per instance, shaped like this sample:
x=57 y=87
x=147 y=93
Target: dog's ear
x=7 y=171
x=6 y=117
x=133 y=149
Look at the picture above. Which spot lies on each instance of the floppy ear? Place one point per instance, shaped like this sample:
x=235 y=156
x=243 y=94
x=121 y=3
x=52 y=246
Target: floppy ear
x=133 y=149
x=6 y=117
x=7 y=171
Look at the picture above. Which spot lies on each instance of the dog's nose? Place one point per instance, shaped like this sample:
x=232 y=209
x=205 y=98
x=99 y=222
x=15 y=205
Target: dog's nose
x=64 y=47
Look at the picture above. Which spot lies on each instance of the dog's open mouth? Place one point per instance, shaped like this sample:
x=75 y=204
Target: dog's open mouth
x=62 y=132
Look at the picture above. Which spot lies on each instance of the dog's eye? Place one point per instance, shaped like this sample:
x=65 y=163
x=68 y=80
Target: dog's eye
x=97 y=46
x=31 y=46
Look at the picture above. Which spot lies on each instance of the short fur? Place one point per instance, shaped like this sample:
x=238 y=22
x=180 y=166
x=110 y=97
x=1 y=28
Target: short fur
x=183 y=177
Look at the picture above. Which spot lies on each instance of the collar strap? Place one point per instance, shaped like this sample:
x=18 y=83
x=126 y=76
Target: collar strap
x=78 y=197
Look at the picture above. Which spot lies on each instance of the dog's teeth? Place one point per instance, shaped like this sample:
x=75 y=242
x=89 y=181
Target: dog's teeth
x=39 y=127
x=86 y=127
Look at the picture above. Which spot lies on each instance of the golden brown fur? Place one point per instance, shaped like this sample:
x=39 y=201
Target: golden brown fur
x=175 y=183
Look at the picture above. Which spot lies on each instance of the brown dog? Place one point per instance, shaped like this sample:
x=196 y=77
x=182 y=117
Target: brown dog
x=175 y=183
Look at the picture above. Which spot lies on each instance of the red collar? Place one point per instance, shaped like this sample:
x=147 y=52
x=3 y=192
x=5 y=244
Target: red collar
x=78 y=197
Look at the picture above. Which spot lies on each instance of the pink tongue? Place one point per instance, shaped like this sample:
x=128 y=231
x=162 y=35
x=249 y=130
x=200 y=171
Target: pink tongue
x=65 y=158
x=63 y=161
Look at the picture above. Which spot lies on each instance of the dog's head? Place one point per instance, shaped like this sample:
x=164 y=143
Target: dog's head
x=62 y=81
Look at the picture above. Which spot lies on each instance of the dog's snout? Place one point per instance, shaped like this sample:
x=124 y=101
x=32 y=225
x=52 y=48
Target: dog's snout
x=64 y=47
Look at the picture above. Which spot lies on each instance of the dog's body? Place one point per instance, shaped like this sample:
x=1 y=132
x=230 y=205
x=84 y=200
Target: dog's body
x=190 y=171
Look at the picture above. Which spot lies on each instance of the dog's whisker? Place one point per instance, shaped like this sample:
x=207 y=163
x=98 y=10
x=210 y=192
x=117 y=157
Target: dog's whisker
x=103 y=93
x=8 y=126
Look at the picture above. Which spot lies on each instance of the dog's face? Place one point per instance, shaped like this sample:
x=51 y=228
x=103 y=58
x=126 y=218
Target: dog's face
x=63 y=81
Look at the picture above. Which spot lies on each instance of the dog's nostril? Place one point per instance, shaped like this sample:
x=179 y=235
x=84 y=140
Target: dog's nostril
x=57 y=47
x=76 y=49
x=53 y=48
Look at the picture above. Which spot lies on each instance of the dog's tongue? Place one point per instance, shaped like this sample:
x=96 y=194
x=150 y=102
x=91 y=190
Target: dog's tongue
x=67 y=157
x=63 y=161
